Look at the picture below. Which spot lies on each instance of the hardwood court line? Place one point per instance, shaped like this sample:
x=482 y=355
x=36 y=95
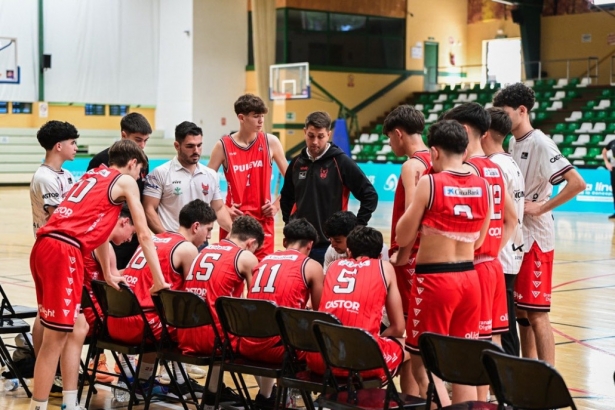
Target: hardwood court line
x=579 y=326
x=569 y=262
x=590 y=288
x=595 y=395
x=559 y=285
x=585 y=340
x=580 y=342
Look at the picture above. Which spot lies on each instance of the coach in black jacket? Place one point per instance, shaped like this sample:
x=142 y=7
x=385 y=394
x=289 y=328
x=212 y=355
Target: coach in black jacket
x=319 y=181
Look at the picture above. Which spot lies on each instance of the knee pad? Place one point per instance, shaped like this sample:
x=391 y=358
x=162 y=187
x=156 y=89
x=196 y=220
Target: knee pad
x=523 y=321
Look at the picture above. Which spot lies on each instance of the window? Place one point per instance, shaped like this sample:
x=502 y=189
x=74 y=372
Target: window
x=4 y=107
x=337 y=39
x=94 y=109
x=22 y=108
x=118 y=110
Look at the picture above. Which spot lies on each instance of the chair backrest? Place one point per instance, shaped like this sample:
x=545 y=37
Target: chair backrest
x=454 y=359
x=348 y=348
x=122 y=303
x=183 y=309
x=247 y=317
x=6 y=304
x=526 y=383
x=296 y=327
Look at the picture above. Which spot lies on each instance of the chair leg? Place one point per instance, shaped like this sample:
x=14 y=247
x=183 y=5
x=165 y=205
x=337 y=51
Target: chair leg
x=92 y=377
x=5 y=354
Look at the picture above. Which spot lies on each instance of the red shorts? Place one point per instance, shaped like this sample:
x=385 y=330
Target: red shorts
x=270 y=350
x=200 y=340
x=57 y=270
x=269 y=229
x=533 y=287
x=405 y=275
x=493 y=309
x=129 y=330
x=392 y=352
x=445 y=299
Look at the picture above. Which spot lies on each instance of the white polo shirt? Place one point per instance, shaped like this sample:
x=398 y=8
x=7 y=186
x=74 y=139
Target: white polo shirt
x=175 y=186
x=542 y=166
x=511 y=254
x=48 y=188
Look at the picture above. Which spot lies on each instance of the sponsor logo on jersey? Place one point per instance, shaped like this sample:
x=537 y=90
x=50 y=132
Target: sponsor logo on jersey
x=354 y=264
x=197 y=291
x=63 y=212
x=485 y=325
x=471 y=335
x=248 y=166
x=177 y=190
x=219 y=248
x=491 y=172
x=46 y=312
x=93 y=226
x=104 y=172
x=161 y=240
x=519 y=194
x=281 y=257
x=524 y=155
x=504 y=318
x=131 y=280
x=470 y=192
x=547 y=297
x=517 y=248
x=302 y=174
x=51 y=195
x=323 y=173
x=556 y=158
x=205 y=189
x=349 y=305
x=497 y=232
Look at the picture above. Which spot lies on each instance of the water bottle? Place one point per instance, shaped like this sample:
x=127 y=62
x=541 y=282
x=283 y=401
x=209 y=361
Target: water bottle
x=10 y=385
x=121 y=396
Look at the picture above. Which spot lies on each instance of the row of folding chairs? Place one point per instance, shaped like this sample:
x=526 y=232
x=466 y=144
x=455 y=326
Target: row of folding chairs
x=351 y=349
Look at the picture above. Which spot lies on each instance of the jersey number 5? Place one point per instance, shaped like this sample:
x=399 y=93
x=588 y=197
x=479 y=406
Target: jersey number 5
x=345 y=281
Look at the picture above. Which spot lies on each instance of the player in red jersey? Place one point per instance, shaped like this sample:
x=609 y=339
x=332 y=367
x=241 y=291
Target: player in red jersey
x=80 y=224
x=404 y=126
x=494 y=316
x=356 y=290
x=289 y=278
x=221 y=270
x=451 y=208
x=246 y=157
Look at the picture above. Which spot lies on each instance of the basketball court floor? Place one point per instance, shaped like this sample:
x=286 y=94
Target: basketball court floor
x=583 y=311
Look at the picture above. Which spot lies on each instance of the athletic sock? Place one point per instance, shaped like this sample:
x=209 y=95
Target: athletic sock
x=213 y=381
x=69 y=399
x=178 y=374
x=38 y=405
x=146 y=371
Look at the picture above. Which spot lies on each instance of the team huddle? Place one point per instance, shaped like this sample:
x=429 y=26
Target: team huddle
x=467 y=217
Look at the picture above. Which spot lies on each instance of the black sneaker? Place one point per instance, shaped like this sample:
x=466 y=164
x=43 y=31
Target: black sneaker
x=227 y=395
x=264 y=403
x=612 y=216
x=184 y=391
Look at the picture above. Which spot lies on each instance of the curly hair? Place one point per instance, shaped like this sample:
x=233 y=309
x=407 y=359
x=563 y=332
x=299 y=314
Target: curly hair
x=56 y=131
x=245 y=227
x=514 y=96
x=196 y=211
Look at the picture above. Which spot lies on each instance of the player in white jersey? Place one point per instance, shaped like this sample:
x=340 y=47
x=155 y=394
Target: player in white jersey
x=542 y=166
x=51 y=182
x=511 y=254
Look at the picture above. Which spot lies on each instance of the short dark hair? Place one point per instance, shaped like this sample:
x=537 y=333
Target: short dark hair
x=196 y=211
x=301 y=231
x=471 y=114
x=514 y=96
x=407 y=118
x=135 y=123
x=125 y=212
x=186 y=128
x=123 y=151
x=340 y=224
x=448 y=135
x=318 y=119
x=248 y=103
x=500 y=122
x=55 y=131
x=365 y=241
x=245 y=227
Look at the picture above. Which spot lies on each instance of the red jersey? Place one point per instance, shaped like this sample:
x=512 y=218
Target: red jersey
x=399 y=202
x=248 y=174
x=139 y=276
x=355 y=291
x=87 y=214
x=492 y=173
x=214 y=273
x=280 y=278
x=458 y=203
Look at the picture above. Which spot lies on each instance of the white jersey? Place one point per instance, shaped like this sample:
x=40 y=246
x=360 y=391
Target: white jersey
x=511 y=255
x=331 y=256
x=542 y=166
x=175 y=186
x=47 y=188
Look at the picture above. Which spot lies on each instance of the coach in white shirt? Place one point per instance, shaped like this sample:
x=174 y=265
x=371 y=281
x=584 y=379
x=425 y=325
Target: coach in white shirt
x=181 y=180
x=542 y=166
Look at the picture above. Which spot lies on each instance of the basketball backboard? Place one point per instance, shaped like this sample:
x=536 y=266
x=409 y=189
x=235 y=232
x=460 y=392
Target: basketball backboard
x=9 y=70
x=289 y=81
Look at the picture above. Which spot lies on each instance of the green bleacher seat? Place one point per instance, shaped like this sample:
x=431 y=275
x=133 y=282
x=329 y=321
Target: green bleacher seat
x=611 y=116
x=610 y=128
x=547 y=95
x=544 y=84
x=506 y=142
x=596 y=139
x=588 y=116
x=594 y=163
x=600 y=115
x=569 y=139
x=424 y=98
x=567 y=151
x=590 y=105
x=573 y=82
x=559 y=128
x=592 y=153
x=607 y=93
x=572 y=126
x=572 y=94
x=541 y=116
x=378 y=129
x=447 y=106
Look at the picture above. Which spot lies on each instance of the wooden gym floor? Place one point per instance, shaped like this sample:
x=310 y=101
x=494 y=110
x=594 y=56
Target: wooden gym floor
x=583 y=312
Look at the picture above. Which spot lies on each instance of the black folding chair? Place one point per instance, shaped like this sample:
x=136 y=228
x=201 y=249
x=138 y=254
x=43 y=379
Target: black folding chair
x=90 y=341
x=10 y=326
x=455 y=360
x=184 y=310
x=526 y=383
x=297 y=335
x=246 y=318
x=354 y=350
x=10 y=311
x=121 y=304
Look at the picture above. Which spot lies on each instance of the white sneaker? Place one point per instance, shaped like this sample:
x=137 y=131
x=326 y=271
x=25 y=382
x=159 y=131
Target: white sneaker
x=195 y=371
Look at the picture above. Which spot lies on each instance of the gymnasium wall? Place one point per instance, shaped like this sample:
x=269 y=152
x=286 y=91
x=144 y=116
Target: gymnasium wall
x=562 y=38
